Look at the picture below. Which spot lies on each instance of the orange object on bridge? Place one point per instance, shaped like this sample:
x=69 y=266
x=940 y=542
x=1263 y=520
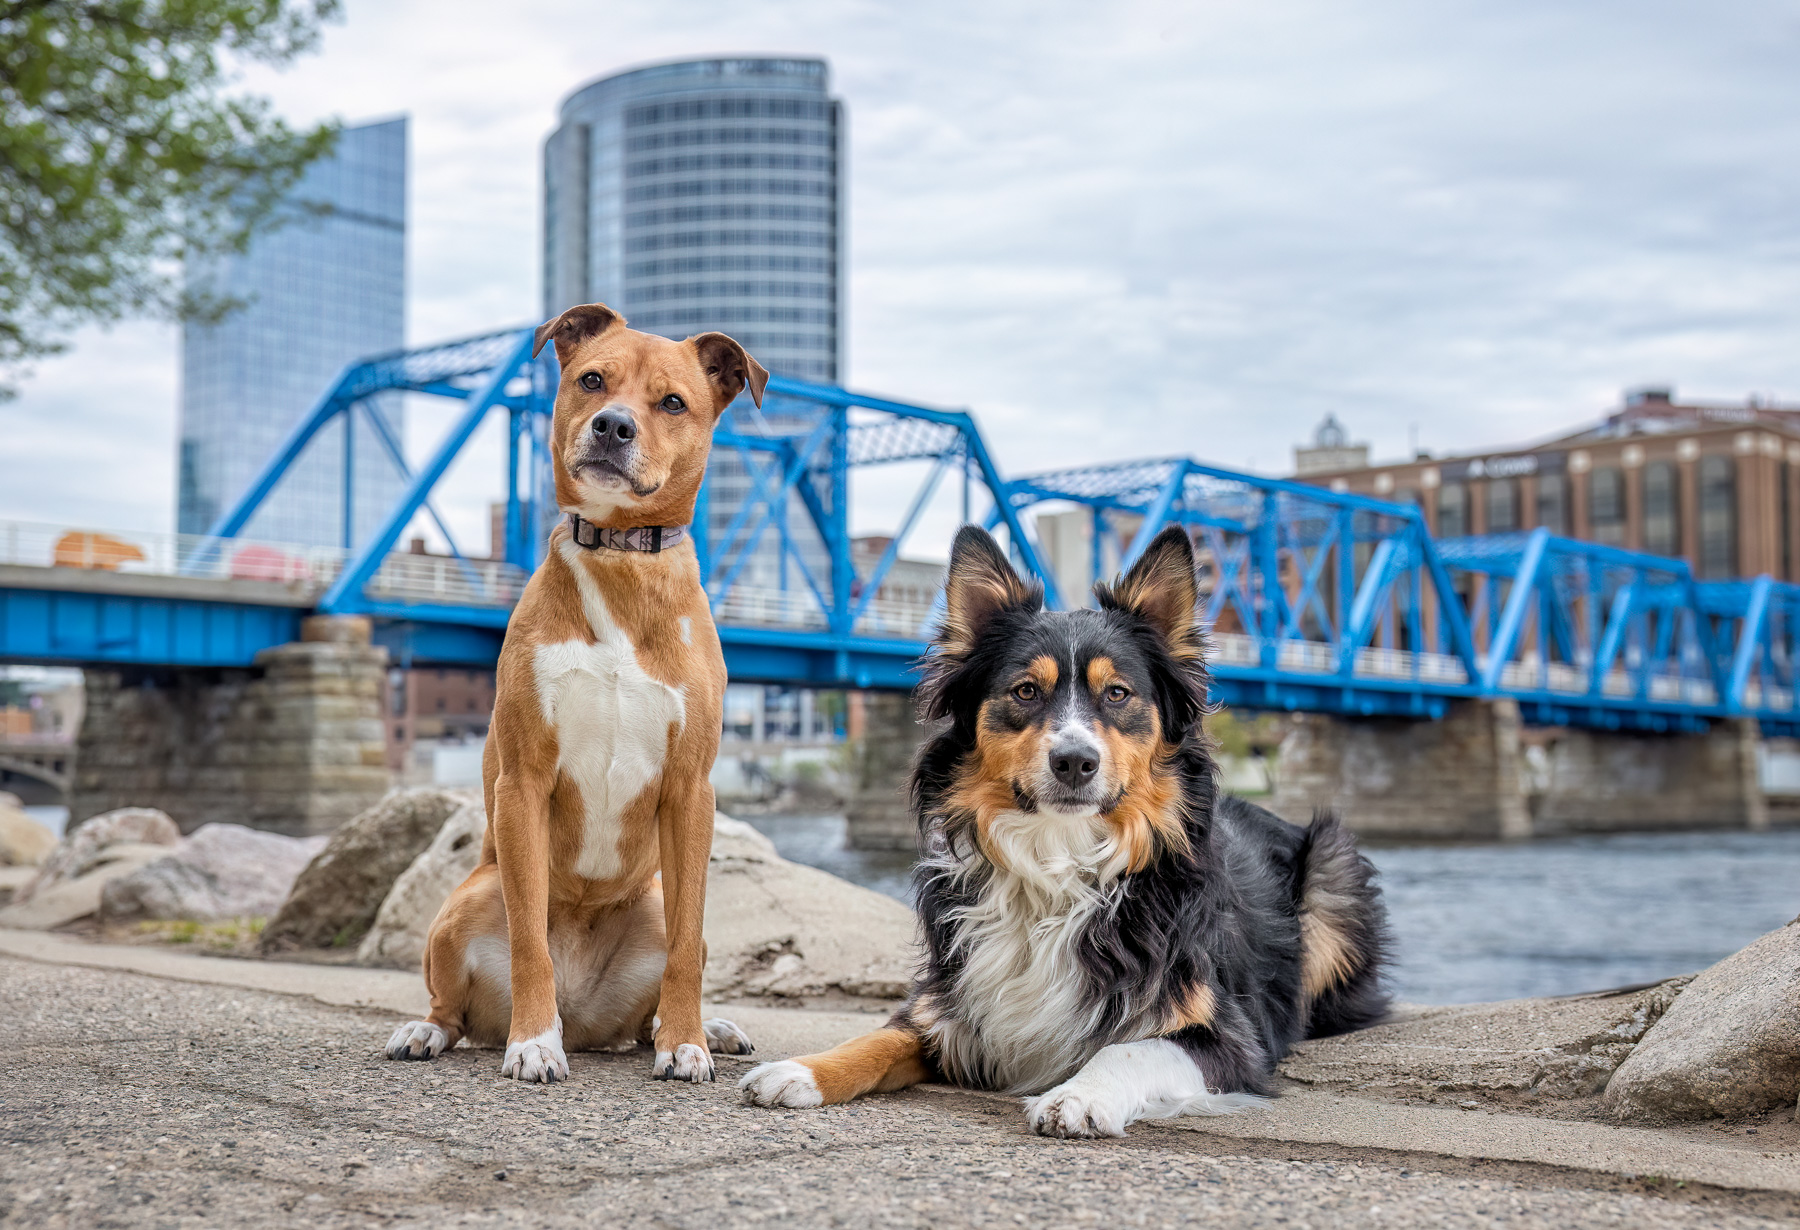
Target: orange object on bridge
x=85 y=549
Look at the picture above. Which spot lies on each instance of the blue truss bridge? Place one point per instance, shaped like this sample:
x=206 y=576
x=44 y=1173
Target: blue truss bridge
x=1314 y=600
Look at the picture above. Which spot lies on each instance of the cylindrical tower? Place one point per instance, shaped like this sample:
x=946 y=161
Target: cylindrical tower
x=704 y=195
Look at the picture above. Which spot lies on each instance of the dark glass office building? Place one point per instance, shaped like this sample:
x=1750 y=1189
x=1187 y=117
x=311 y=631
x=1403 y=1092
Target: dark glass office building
x=704 y=195
x=325 y=287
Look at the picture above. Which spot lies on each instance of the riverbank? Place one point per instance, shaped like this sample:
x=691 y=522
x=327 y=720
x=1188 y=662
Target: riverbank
x=192 y=1088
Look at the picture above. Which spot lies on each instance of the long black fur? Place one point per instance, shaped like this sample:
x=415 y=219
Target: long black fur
x=1225 y=911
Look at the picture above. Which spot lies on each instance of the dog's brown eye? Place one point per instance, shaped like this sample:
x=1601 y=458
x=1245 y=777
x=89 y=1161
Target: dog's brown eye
x=1026 y=692
x=592 y=382
x=673 y=404
x=1117 y=694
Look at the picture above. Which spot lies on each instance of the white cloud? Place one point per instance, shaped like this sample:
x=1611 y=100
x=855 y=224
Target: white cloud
x=1136 y=229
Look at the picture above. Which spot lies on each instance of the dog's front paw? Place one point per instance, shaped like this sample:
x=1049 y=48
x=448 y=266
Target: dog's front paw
x=417 y=1040
x=725 y=1037
x=686 y=1063
x=537 y=1059
x=783 y=1083
x=1076 y=1110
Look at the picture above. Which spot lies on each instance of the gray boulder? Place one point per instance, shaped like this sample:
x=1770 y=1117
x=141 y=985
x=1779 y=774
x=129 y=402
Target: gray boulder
x=220 y=871
x=1730 y=1046
x=335 y=899
x=85 y=847
x=785 y=933
x=23 y=841
x=70 y=900
x=397 y=940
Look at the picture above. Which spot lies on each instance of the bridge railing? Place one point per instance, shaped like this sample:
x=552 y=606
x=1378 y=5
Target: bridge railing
x=306 y=572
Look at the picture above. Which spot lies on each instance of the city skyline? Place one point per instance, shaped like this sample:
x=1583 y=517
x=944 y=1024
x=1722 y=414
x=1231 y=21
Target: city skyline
x=1481 y=224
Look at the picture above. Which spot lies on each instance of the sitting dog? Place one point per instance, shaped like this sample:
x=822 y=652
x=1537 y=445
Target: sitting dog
x=609 y=697
x=1100 y=928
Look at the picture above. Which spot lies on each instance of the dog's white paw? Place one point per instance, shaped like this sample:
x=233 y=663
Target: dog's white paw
x=782 y=1083
x=417 y=1040
x=725 y=1037
x=537 y=1059
x=1078 y=1109
x=688 y=1063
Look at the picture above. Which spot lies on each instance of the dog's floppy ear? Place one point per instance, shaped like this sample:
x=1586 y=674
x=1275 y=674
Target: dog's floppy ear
x=574 y=327
x=1161 y=590
x=729 y=368
x=980 y=585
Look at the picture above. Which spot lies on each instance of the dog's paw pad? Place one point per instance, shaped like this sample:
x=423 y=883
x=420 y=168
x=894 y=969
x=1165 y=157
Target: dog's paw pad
x=725 y=1037
x=417 y=1040
x=783 y=1083
x=538 y=1059
x=687 y=1063
x=1075 y=1113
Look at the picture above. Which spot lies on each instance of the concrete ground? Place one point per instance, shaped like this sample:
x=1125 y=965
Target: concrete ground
x=182 y=1096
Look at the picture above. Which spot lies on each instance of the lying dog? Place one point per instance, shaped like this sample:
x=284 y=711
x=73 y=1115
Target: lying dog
x=1100 y=928
x=607 y=716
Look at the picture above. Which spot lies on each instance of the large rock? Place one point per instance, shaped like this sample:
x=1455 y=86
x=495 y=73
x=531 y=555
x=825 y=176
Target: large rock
x=1534 y=1048
x=86 y=846
x=779 y=931
x=221 y=871
x=1730 y=1046
x=775 y=930
x=70 y=900
x=337 y=896
x=23 y=841
x=397 y=940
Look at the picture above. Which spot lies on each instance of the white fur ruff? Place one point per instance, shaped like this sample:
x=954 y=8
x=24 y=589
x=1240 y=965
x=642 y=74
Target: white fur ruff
x=1021 y=1024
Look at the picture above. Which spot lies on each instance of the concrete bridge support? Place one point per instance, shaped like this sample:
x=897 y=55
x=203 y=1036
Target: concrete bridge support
x=295 y=745
x=1480 y=774
x=879 y=814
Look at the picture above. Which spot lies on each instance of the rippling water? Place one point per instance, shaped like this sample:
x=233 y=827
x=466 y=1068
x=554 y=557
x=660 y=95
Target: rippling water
x=1479 y=922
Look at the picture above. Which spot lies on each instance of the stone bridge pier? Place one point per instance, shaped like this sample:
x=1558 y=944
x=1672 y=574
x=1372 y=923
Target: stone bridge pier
x=1480 y=773
x=294 y=744
x=879 y=815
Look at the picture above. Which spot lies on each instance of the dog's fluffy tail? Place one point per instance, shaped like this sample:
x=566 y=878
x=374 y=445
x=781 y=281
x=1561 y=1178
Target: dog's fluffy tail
x=1344 y=940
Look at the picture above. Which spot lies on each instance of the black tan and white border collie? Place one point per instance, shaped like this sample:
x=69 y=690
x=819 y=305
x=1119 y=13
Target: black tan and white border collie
x=1102 y=929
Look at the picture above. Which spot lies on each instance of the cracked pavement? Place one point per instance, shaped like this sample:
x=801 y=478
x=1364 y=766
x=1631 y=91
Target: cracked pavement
x=139 y=1101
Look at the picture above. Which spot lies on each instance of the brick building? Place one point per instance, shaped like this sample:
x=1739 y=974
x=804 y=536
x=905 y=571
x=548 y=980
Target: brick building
x=1712 y=484
x=436 y=705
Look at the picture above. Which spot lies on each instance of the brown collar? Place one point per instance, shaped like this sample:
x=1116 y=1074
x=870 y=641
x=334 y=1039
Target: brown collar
x=651 y=538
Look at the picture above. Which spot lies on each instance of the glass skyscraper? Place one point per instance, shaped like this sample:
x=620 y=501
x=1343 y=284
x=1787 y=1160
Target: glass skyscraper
x=325 y=287
x=704 y=195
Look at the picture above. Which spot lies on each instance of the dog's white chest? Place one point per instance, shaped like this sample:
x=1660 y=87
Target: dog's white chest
x=613 y=726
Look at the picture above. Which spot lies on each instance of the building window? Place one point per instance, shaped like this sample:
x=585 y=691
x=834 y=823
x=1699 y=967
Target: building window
x=1606 y=507
x=1452 y=510
x=1662 y=508
x=1718 y=517
x=1553 y=503
x=1502 y=505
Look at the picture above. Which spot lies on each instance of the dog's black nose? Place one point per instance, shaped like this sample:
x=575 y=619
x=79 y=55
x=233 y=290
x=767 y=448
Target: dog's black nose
x=614 y=426
x=1073 y=765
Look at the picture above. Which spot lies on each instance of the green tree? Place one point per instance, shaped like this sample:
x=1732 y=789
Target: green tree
x=122 y=155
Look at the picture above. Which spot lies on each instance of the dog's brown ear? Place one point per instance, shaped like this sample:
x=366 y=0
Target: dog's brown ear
x=574 y=327
x=981 y=583
x=1160 y=588
x=729 y=368
x=979 y=586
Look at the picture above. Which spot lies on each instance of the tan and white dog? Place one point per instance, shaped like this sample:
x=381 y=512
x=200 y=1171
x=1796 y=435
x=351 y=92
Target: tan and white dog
x=610 y=692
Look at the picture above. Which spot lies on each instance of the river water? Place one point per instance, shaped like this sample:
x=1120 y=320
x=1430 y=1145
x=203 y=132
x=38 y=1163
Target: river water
x=1478 y=922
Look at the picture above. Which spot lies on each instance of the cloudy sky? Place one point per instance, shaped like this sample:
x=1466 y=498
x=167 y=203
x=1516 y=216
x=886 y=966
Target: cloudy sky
x=1127 y=229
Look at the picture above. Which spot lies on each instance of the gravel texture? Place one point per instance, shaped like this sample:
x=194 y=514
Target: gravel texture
x=137 y=1101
